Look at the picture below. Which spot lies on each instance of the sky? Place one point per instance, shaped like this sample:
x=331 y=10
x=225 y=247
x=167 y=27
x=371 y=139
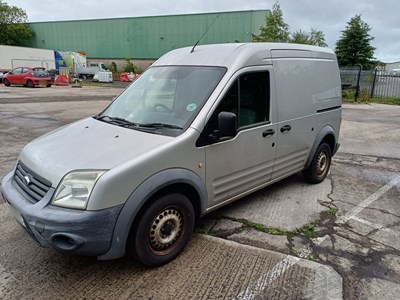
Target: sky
x=329 y=16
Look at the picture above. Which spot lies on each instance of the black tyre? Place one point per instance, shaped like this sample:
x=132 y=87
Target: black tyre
x=162 y=231
x=320 y=164
x=6 y=82
x=48 y=85
x=30 y=84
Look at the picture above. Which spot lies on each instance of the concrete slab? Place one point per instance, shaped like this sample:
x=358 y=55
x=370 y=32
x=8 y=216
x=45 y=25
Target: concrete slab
x=210 y=268
x=365 y=131
x=286 y=205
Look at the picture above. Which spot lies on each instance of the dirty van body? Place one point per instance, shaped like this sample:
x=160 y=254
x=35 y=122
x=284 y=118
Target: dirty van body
x=198 y=130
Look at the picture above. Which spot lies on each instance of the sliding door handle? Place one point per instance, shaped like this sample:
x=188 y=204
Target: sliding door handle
x=286 y=128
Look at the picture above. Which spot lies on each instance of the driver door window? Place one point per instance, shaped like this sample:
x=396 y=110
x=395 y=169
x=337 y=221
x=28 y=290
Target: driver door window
x=245 y=161
x=248 y=98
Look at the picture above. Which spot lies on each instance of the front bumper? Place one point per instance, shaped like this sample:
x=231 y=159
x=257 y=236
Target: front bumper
x=67 y=230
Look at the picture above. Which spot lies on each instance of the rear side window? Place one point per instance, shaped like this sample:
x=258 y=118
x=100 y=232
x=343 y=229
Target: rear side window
x=248 y=98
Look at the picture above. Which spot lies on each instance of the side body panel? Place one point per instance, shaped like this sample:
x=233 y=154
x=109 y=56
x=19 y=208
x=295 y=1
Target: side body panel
x=305 y=85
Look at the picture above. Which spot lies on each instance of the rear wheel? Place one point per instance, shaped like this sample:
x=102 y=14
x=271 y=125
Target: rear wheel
x=320 y=164
x=162 y=231
x=30 y=84
x=6 y=82
x=49 y=85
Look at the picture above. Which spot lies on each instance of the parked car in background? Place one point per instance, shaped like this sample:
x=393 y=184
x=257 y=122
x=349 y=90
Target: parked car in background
x=1 y=76
x=28 y=76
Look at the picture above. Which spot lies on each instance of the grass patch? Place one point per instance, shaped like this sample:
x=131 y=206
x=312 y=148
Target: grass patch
x=331 y=211
x=313 y=258
x=263 y=228
x=386 y=100
x=202 y=231
x=308 y=230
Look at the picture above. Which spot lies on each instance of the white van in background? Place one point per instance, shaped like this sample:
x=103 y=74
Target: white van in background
x=202 y=127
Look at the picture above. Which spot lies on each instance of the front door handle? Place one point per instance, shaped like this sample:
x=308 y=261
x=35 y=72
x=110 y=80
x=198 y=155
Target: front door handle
x=286 y=128
x=268 y=132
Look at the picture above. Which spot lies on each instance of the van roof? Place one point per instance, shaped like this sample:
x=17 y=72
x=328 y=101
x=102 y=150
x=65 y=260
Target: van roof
x=244 y=54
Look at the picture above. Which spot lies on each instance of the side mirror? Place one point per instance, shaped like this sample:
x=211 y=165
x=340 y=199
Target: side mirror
x=227 y=124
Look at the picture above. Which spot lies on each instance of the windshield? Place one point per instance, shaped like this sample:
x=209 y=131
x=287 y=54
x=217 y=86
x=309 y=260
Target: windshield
x=164 y=100
x=103 y=66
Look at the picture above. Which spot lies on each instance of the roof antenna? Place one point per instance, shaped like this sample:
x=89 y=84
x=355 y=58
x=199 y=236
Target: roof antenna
x=204 y=34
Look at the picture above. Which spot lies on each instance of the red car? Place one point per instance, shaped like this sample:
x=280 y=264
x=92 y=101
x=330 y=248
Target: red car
x=28 y=76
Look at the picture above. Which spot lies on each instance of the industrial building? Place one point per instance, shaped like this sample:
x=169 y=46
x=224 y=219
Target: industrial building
x=144 y=39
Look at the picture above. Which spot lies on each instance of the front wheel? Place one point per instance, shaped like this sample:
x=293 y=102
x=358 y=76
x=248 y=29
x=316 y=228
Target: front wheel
x=320 y=164
x=162 y=231
x=6 y=82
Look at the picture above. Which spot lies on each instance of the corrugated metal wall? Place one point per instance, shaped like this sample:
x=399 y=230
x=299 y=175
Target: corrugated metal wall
x=146 y=37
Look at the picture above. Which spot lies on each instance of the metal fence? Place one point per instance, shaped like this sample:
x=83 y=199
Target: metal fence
x=385 y=85
x=374 y=84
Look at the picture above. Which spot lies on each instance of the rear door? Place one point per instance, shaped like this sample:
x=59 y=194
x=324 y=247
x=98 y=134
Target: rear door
x=242 y=164
x=25 y=74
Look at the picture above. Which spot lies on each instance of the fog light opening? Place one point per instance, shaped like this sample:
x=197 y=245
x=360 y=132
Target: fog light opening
x=66 y=242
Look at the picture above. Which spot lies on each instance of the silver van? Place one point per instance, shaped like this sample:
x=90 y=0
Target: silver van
x=199 y=129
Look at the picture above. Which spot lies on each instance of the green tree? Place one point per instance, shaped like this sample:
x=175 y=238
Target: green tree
x=317 y=38
x=275 y=30
x=353 y=47
x=299 y=37
x=314 y=37
x=13 y=30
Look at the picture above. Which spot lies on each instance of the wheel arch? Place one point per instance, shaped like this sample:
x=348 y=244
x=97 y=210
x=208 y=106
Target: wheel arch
x=325 y=135
x=167 y=181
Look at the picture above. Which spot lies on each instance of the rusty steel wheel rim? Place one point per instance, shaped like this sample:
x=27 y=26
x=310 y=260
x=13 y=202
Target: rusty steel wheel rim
x=165 y=230
x=322 y=164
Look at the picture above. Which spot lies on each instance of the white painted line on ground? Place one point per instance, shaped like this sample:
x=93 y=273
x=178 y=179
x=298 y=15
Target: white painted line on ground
x=289 y=261
x=279 y=269
x=376 y=226
x=367 y=202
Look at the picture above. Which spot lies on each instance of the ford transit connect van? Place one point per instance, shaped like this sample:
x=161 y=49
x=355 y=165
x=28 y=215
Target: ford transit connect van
x=199 y=129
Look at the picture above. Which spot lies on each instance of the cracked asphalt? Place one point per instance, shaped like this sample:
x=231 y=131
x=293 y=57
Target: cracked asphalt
x=350 y=222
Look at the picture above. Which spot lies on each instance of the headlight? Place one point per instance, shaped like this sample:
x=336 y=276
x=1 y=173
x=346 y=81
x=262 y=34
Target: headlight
x=75 y=188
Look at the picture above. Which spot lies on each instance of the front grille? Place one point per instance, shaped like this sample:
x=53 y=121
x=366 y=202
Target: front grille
x=30 y=184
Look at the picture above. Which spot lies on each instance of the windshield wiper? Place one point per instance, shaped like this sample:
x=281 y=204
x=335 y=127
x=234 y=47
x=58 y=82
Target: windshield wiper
x=160 y=125
x=125 y=123
x=117 y=121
